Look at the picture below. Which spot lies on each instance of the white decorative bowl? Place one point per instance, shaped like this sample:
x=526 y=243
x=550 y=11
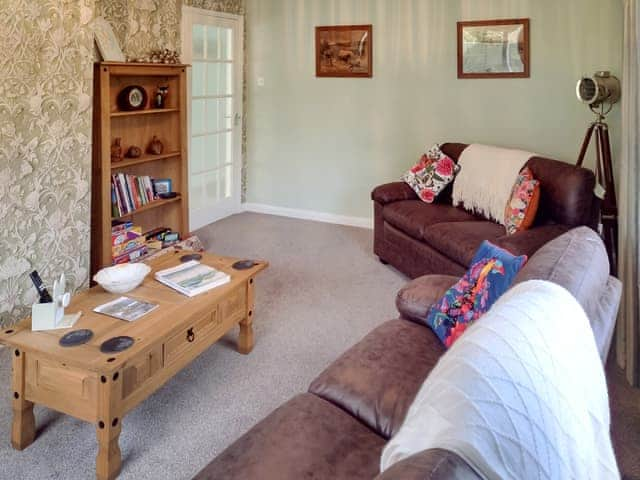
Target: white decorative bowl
x=122 y=278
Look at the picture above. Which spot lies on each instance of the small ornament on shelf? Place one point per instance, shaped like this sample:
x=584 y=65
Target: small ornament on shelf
x=161 y=96
x=164 y=56
x=134 y=152
x=155 y=147
x=116 y=150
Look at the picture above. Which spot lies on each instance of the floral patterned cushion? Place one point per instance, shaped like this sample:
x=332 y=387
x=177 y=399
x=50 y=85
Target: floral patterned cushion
x=521 y=210
x=492 y=272
x=431 y=174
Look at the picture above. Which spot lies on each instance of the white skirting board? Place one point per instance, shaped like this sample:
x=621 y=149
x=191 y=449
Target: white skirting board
x=361 y=222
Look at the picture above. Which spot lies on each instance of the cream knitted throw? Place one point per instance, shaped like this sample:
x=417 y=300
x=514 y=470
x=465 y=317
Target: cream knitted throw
x=487 y=177
x=521 y=395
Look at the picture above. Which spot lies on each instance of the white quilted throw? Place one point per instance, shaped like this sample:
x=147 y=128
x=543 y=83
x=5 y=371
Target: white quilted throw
x=521 y=395
x=486 y=179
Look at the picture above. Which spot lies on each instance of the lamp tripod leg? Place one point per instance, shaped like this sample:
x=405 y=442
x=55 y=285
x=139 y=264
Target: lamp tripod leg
x=609 y=209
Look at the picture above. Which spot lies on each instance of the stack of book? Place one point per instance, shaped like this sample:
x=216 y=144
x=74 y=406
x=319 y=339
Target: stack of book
x=127 y=243
x=130 y=192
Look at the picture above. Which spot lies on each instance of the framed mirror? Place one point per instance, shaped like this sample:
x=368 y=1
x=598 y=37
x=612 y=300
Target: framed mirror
x=494 y=49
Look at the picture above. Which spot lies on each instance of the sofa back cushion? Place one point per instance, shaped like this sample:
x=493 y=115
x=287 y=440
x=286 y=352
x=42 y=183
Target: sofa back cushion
x=566 y=191
x=530 y=362
x=577 y=261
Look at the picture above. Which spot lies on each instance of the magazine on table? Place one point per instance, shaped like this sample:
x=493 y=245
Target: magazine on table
x=192 y=278
x=125 y=308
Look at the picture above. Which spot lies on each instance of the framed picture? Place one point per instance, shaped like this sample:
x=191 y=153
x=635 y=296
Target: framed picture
x=162 y=185
x=493 y=49
x=107 y=41
x=344 y=51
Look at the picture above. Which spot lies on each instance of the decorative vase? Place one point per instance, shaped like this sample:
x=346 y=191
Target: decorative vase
x=116 y=150
x=155 y=147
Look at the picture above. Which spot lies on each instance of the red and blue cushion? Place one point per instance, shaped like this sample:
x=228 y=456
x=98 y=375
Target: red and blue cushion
x=492 y=272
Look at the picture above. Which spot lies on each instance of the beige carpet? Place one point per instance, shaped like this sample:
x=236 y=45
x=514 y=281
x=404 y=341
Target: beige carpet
x=323 y=292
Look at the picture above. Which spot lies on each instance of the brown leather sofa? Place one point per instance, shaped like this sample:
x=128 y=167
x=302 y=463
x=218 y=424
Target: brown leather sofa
x=337 y=430
x=419 y=238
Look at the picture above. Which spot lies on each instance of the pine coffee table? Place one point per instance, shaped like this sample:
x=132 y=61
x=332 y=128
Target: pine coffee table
x=101 y=388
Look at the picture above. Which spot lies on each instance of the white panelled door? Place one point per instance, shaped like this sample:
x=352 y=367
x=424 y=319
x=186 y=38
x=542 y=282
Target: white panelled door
x=212 y=44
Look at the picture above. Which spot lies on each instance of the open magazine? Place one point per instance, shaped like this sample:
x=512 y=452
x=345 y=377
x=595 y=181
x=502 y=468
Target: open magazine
x=125 y=308
x=192 y=278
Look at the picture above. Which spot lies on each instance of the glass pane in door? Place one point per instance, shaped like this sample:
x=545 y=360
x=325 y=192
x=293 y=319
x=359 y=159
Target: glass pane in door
x=212 y=117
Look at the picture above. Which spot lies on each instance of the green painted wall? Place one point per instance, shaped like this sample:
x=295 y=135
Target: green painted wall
x=322 y=144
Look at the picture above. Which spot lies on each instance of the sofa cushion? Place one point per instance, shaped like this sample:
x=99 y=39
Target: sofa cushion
x=413 y=217
x=578 y=262
x=412 y=257
x=566 y=192
x=521 y=210
x=431 y=174
x=307 y=437
x=491 y=273
x=376 y=380
x=460 y=240
x=414 y=300
x=529 y=241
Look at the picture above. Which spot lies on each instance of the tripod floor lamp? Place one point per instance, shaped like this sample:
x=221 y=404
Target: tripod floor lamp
x=601 y=92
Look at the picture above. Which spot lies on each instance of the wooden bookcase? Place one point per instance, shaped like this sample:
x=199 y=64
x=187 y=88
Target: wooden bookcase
x=137 y=128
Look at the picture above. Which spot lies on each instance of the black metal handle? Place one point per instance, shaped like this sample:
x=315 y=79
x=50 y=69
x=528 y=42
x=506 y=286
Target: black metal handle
x=190 y=335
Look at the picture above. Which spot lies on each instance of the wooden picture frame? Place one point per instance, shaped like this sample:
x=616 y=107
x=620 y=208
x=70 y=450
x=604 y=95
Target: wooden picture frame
x=344 y=51
x=494 y=49
x=107 y=42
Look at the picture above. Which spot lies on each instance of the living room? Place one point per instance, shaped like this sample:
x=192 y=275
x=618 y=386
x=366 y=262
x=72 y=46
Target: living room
x=292 y=163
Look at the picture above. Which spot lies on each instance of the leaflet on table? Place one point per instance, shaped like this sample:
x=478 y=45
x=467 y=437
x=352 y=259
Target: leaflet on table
x=125 y=308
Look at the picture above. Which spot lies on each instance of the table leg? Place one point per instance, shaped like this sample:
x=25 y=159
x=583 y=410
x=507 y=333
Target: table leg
x=23 y=430
x=109 y=461
x=245 y=340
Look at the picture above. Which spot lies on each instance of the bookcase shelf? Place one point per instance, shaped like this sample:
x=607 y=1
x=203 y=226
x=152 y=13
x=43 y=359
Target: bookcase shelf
x=143 y=159
x=150 y=206
x=147 y=111
x=137 y=128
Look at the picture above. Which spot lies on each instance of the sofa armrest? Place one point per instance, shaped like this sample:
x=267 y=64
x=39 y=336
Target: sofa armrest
x=432 y=464
x=393 y=192
x=415 y=299
x=529 y=241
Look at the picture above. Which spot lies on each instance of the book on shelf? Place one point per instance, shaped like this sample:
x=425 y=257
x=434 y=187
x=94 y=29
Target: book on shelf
x=134 y=255
x=124 y=236
x=130 y=192
x=130 y=244
x=120 y=226
x=192 y=278
x=127 y=243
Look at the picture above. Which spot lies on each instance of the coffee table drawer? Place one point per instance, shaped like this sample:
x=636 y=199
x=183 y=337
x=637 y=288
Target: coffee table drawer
x=185 y=340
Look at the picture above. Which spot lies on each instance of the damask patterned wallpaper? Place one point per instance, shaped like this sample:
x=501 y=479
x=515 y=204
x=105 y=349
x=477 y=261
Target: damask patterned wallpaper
x=45 y=129
x=146 y=25
x=45 y=146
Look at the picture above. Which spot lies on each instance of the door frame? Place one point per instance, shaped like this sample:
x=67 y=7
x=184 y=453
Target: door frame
x=190 y=16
